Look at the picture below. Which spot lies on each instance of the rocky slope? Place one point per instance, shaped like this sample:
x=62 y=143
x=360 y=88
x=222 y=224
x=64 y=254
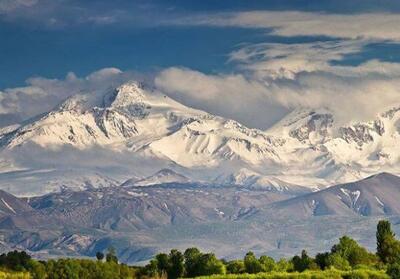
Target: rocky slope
x=142 y=220
x=375 y=195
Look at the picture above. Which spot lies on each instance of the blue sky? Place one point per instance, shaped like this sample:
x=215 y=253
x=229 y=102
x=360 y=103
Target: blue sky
x=34 y=47
x=265 y=47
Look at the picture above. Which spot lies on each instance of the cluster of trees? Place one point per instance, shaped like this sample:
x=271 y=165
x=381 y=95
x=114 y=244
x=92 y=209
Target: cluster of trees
x=346 y=255
x=346 y=259
x=191 y=263
x=68 y=268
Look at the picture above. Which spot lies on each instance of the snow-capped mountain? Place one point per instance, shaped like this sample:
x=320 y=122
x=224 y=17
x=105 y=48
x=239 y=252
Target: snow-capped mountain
x=161 y=177
x=126 y=117
x=341 y=153
x=134 y=131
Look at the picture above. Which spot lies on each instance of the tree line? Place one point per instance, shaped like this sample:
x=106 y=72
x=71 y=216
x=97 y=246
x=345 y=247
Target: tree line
x=346 y=255
x=20 y=261
x=346 y=259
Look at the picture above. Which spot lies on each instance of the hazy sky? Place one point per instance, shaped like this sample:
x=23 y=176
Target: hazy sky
x=252 y=61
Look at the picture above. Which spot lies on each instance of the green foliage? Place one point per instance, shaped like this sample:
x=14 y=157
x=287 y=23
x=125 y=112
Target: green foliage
x=390 y=250
x=309 y=274
x=209 y=264
x=303 y=262
x=321 y=259
x=394 y=271
x=283 y=265
x=387 y=247
x=235 y=267
x=251 y=263
x=15 y=260
x=176 y=265
x=267 y=264
x=37 y=269
x=337 y=261
x=150 y=270
x=351 y=251
x=99 y=256
x=111 y=255
x=163 y=263
x=14 y=275
x=347 y=259
x=192 y=256
x=80 y=269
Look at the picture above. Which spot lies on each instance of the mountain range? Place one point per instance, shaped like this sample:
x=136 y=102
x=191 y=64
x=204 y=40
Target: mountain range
x=140 y=221
x=96 y=140
x=134 y=169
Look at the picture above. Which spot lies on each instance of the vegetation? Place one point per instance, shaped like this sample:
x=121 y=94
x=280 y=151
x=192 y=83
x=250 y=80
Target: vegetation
x=27 y=267
x=346 y=259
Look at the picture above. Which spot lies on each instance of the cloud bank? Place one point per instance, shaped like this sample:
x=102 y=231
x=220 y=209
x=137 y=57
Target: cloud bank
x=273 y=79
x=267 y=79
x=7 y=6
x=382 y=26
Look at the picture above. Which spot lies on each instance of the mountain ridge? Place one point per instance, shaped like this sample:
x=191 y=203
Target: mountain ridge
x=144 y=131
x=374 y=195
x=141 y=221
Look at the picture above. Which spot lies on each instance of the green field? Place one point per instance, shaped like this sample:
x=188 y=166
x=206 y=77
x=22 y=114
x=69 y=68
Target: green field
x=14 y=275
x=318 y=274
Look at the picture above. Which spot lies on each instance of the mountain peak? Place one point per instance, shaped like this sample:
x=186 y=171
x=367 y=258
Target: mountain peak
x=127 y=94
x=306 y=125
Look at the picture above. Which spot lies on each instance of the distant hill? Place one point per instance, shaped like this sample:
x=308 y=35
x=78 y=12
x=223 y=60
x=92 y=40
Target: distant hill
x=142 y=220
x=376 y=195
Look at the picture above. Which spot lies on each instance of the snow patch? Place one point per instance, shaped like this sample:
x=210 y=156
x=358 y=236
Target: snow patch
x=8 y=206
x=379 y=201
x=136 y=194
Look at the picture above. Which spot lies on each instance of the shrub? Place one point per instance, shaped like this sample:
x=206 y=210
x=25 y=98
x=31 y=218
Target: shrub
x=235 y=267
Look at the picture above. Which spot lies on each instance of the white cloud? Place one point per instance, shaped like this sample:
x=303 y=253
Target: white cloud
x=284 y=76
x=285 y=60
x=269 y=79
x=233 y=96
x=382 y=26
x=351 y=93
x=257 y=100
x=42 y=94
x=11 y=5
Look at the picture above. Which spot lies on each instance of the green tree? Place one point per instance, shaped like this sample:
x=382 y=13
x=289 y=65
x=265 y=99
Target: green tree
x=283 y=265
x=151 y=269
x=176 y=265
x=393 y=271
x=267 y=263
x=303 y=262
x=235 y=267
x=99 y=256
x=387 y=247
x=251 y=263
x=163 y=263
x=351 y=251
x=192 y=256
x=111 y=255
x=209 y=264
x=390 y=250
x=337 y=261
x=15 y=260
x=321 y=259
x=37 y=270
